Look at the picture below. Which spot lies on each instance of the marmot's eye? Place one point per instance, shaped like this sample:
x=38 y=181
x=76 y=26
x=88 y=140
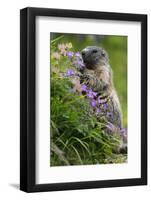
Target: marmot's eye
x=94 y=51
x=83 y=54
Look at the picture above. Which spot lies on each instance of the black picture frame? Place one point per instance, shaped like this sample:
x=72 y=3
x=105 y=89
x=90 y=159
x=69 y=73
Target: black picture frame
x=28 y=98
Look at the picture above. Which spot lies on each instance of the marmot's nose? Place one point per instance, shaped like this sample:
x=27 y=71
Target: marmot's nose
x=84 y=52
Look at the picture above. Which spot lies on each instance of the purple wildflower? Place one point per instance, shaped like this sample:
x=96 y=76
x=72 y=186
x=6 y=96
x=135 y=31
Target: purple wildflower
x=84 y=88
x=91 y=94
x=70 y=72
x=80 y=63
x=93 y=103
x=70 y=54
x=123 y=131
x=110 y=114
x=98 y=110
x=105 y=106
x=94 y=94
x=100 y=101
x=77 y=54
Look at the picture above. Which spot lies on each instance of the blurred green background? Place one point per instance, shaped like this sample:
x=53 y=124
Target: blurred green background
x=116 y=46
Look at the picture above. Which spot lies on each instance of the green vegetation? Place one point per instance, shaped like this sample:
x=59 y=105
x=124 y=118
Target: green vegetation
x=77 y=137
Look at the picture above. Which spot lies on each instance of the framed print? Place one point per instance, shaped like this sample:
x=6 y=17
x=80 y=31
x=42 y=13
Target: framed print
x=83 y=99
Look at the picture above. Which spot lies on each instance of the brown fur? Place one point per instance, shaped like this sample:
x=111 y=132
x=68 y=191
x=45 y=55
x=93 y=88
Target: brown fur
x=100 y=80
x=99 y=77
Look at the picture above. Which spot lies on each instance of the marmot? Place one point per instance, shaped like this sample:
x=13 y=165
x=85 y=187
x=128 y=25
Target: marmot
x=97 y=74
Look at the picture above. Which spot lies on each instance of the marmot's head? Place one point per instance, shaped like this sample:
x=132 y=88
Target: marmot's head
x=94 y=56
